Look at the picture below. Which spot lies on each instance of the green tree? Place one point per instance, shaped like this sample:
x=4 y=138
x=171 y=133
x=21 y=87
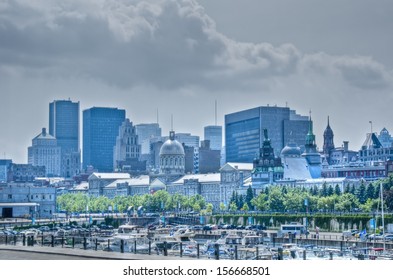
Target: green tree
x=353 y=190
x=327 y=203
x=361 y=193
x=222 y=207
x=240 y=201
x=337 y=190
x=249 y=197
x=330 y=190
x=276 y=200
x=324 y=190
x=347 y=202
x=371 y=205
x=294 y=201
x=370 y=191
x=260 y=202
x=209 y=208
x=388 y=199
x=233 y=207
x=245 y=207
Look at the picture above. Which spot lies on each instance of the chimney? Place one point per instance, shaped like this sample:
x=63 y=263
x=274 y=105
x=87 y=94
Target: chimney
x=346 y=143
x=44 y=131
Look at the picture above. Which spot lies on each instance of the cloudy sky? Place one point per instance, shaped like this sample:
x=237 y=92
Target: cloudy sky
x=179 y=56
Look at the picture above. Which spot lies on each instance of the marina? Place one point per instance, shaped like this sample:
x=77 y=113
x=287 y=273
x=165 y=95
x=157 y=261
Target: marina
x=182 y=241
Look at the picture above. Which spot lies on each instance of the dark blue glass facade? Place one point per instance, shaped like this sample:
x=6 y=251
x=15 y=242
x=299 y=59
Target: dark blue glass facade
x=244 y=131
x=64 y=124
x=100 y=129
x=242 y=140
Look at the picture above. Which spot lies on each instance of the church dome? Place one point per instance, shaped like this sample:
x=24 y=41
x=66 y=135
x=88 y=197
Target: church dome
x=291 y=150
x=172 y=147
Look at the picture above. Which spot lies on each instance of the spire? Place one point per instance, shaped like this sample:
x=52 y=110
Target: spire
x=310 y=138
x=328 y=143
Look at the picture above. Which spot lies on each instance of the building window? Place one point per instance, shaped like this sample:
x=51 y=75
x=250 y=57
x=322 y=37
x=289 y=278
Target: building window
x=10 y=196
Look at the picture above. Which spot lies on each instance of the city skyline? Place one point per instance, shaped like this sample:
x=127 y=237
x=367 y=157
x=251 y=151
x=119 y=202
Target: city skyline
x=179 y=57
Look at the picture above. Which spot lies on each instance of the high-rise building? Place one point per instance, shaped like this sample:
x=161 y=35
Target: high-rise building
x=146 y=132
x=44 y=151
x=64 y=126
x=100 y=130
x=244 y=131
x=186 y=139
x=209 y=159
x=127 y=151
x=213 y=133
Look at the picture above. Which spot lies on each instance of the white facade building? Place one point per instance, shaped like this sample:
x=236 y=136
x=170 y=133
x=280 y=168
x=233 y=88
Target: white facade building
x=45 y=152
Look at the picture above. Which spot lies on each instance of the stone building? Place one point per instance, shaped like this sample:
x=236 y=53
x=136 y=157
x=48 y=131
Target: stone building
x=127 y=151
x=45 y=152
x=172 y=159
x=267 y=167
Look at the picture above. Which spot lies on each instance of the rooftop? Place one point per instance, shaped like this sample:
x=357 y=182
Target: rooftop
x=110 y=175
x=202 y=178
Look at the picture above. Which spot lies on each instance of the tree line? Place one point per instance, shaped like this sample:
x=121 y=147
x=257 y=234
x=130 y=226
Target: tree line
x=159 y=201
x=365 y=198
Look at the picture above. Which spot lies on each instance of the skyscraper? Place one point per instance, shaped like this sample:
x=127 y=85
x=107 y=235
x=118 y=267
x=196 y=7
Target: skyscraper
x=100 y=130
x=213 y=133
x=64 y=123
x=127 y=151
x=64 y=126
x=244 y=131
x=145 y=132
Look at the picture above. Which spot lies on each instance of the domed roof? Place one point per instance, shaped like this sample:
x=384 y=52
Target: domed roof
x=291 y=150
x=172 y=146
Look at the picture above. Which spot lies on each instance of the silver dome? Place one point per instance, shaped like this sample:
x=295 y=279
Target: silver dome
x=291 y=150
x=172 y=147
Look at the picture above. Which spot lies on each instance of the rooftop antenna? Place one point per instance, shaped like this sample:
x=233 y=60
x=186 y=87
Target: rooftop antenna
x=171 y=122
x=215 y=112
x=371 y=124
x=286 y=104
x=157 y=117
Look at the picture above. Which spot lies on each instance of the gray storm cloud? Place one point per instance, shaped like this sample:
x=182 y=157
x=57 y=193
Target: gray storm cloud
x=163 y=43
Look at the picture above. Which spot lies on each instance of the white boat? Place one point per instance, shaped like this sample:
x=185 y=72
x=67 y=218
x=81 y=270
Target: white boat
x=168 y=241
x=251 y=240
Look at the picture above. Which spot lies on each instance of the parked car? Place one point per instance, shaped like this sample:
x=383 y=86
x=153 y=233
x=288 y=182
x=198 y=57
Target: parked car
x=388 y=237
x=207 y=227
x=375 y=236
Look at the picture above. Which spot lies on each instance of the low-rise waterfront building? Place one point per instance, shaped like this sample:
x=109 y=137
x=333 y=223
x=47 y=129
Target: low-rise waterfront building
x=26 y=200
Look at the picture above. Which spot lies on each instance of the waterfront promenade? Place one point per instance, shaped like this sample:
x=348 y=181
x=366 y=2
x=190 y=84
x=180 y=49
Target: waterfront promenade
x=58 y=253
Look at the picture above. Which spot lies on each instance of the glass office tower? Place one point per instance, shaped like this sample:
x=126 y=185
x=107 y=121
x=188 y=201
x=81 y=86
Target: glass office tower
x=244 y=131
x=213 y=133
x=64 y=126
x=100 y=129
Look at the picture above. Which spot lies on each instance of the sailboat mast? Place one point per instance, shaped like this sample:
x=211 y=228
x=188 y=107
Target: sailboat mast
x=383 y=220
